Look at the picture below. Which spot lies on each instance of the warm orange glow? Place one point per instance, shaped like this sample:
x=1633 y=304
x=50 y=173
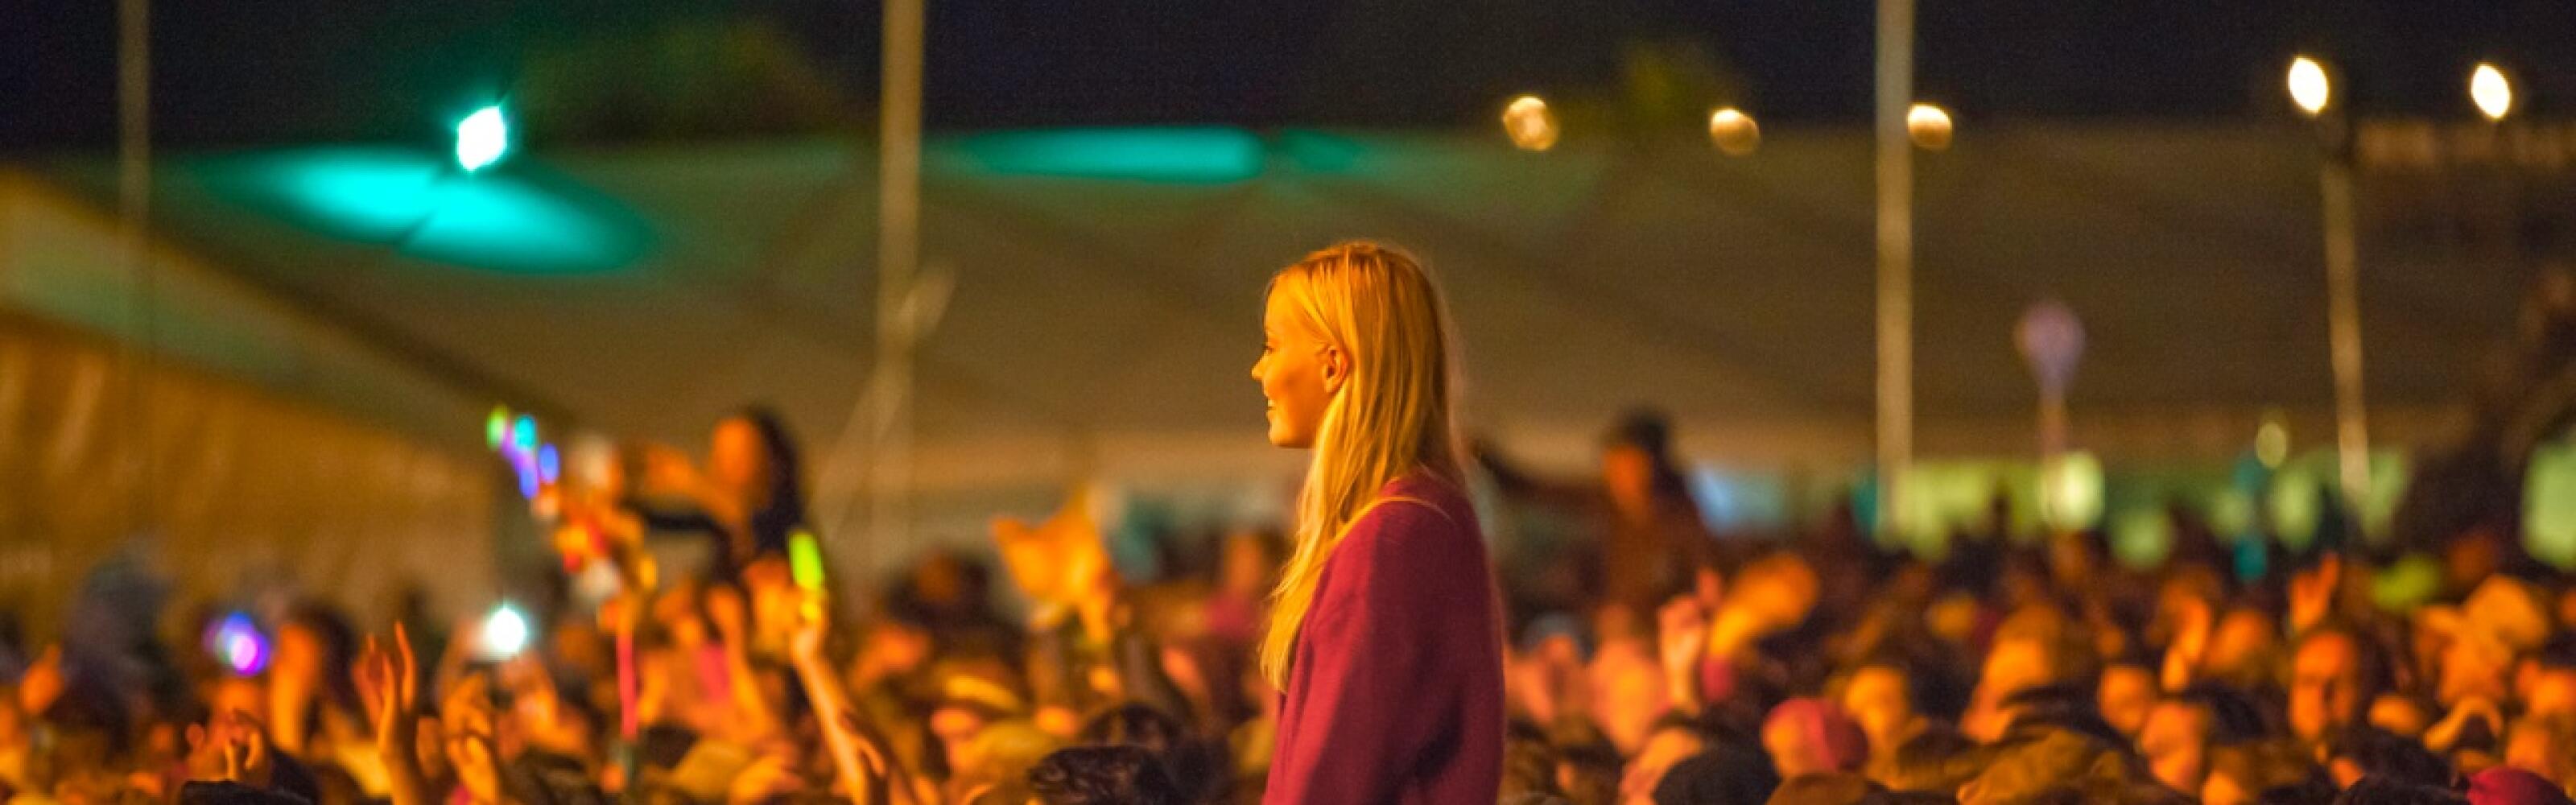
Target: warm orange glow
x=1529 y=123
x=1929 y=125
x=1733 y=131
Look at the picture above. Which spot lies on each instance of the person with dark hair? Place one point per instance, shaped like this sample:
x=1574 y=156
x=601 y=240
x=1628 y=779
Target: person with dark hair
x=1529 y=762
x=1723 y=773
x=2364 y=751
x=1651 y=539
x=1194 y=766
x=2385 y=791
x=308 y=683
x=748 y=499
x=1102 y=775
x=226 y=792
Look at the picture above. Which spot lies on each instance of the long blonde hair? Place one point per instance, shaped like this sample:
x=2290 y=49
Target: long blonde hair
x=1391 y=416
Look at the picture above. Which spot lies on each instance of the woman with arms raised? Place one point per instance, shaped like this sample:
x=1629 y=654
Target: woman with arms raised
x=1384 y=633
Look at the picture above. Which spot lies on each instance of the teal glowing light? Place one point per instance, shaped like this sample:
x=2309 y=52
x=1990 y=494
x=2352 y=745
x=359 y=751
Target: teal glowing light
x=1184 y=155
x=523 y=435
x=425 y=208
x=482 y=138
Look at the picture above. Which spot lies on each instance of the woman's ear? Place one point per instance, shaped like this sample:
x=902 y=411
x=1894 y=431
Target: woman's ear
x=1337 y=368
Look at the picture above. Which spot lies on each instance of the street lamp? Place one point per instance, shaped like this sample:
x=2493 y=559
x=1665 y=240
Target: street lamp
x=1529 y=123
x=1929 y=126
x=1733 y=131
x=482 y=138
x=2309 y=86
x=2491 y=91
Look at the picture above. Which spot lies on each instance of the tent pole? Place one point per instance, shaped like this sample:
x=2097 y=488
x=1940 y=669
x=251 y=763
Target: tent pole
x=1895 y=259
x=2343 y=309
x=134 y=195
x=898 y=258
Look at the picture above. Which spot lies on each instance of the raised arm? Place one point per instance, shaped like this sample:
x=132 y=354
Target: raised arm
x=390 y=686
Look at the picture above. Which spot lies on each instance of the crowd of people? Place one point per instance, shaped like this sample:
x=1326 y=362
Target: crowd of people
x=1647 y=661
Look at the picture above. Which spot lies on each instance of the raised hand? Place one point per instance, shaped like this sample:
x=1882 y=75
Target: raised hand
x=2312 y=594
x=1057 y=561
x=725 y=611
x=232 y=746
x=389 y=685
x=813 y=627
x=1681 y=638
x=2196 y=619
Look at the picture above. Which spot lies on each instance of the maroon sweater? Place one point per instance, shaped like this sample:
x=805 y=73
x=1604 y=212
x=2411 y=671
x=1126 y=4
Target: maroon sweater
x=1395 y=688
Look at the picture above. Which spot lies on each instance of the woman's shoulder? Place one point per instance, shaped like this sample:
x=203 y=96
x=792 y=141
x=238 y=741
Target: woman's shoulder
x=1420 y=495
x=1414 y=518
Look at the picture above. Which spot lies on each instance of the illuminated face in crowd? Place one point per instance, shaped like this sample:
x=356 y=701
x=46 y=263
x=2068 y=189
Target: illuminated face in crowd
x=1877 y=699
x=2325 y=686
x=735 y=456
x=1629 y=473
x=2175 y=741
x=2127 y=692
x=1299 y=370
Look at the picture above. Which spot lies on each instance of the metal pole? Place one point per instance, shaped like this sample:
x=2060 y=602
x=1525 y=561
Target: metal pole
x=2052 y=450
x=2343 y=321
x=898 y=255
x=1895 y=258
x=134 y=195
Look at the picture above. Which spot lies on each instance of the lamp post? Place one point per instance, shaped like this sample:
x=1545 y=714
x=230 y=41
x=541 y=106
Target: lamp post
x=1895 y=88
x=898 y=263
x=2312 y=89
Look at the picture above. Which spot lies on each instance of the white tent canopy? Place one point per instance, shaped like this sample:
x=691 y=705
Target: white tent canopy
x=1107 y=286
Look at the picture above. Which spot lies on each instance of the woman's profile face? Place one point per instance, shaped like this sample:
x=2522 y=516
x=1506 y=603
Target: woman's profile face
x=1297 y=370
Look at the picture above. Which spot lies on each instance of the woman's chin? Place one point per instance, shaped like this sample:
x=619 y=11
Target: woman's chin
x=1282 y=437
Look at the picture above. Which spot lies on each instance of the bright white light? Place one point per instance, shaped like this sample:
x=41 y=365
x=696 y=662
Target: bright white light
x=2309 y=87
x=1733 y=131
x=505 y=633
x=1529 y=123
x=482 y=138
x=1929 y=125
x=2493 y=94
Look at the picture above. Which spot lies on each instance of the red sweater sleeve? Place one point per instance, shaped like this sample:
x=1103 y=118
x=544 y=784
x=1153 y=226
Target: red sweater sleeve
x=1386 y=660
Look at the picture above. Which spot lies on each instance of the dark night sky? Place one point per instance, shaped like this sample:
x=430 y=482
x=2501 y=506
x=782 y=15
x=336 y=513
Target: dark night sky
x=305 y=70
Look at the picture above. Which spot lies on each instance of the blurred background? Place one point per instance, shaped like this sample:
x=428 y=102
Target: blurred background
x=319 y=291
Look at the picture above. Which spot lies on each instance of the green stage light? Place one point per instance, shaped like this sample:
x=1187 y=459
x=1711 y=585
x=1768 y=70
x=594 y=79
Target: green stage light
x=522 y=222
x=1178 y=155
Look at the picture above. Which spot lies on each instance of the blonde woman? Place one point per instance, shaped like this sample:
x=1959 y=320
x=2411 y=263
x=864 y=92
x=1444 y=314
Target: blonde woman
x=1383 y=636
